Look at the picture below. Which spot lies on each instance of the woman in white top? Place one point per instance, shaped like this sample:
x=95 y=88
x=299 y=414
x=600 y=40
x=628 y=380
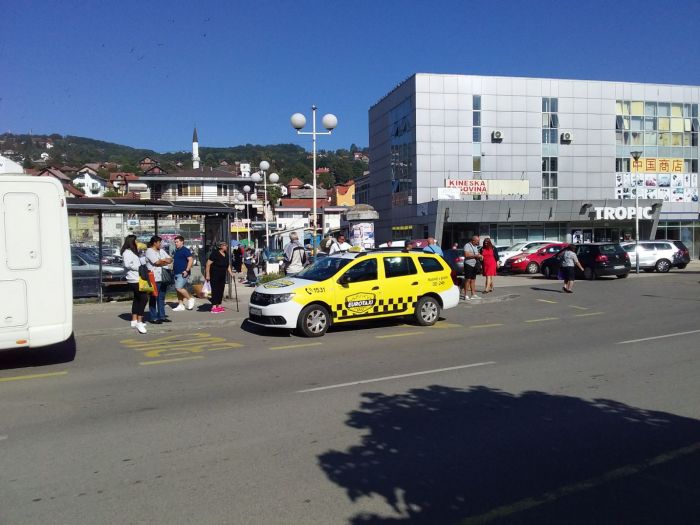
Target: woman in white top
x=130 y=255
x=156 y=258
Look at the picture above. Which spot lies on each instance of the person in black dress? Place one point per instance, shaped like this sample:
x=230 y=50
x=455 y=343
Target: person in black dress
x=218 y=265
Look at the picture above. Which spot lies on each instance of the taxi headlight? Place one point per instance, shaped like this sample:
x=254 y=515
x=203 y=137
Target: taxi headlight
x=280 y=298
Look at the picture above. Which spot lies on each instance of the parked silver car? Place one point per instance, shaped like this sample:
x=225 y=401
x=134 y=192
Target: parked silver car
x=659 y=255
x=86 y=276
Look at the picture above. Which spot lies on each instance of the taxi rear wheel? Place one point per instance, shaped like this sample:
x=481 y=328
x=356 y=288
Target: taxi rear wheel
x=314 y=321
x=427 y=311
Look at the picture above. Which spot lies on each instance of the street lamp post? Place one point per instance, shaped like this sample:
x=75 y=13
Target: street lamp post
x=636 y=156
x=246 y=191
x=329 y=122
x=256 y=177
x=239 y=208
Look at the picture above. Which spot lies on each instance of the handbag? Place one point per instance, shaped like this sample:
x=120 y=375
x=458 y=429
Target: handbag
x=206 y=289
x=166 y=276
x=145 y=285
x=478 y=267
x=143 y=272
x=152 y=280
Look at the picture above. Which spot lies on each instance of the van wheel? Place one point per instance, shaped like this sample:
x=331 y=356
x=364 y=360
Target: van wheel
x=533 y=267
x=547 y=272
x=313 y=321
x=663 y=265
x=588 y=273
x=427 y=311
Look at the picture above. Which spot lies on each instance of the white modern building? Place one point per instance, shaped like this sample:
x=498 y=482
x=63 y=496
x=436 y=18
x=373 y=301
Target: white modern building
x=532 y=158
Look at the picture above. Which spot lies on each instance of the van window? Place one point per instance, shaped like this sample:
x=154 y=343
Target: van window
x=399 y=266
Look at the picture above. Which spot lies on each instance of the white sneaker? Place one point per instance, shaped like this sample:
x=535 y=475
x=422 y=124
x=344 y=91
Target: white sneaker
x=190 y=303
x=141 y=327
x=475 y=297
x=133 y=324
x=179 y=308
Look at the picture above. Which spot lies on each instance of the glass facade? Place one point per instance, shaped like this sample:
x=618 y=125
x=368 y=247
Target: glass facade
x=402 y=149
x=550 y=148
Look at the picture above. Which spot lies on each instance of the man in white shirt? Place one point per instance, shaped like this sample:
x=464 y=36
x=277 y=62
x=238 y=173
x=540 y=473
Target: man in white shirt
x=340 y=245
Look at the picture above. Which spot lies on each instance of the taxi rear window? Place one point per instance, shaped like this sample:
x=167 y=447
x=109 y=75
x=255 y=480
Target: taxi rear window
x=429 y=264
x=398 y=266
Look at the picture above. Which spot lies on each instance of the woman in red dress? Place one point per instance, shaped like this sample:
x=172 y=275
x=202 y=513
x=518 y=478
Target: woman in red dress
x=490 y=262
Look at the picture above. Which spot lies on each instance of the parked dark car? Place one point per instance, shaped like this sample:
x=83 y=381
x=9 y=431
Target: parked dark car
x=86 y=279
x=598 y=260
x=455 y=259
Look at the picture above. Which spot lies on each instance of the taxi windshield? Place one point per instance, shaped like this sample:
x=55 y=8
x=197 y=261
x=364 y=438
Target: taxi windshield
x=323 y=268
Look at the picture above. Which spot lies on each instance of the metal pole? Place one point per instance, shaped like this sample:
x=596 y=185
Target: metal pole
x=99 y=250
x=267 y=230
x=247 y=215
x=313 y=136
x=635 y=156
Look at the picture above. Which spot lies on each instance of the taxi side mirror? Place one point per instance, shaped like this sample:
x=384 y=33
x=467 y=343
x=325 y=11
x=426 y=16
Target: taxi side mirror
x=344 y=279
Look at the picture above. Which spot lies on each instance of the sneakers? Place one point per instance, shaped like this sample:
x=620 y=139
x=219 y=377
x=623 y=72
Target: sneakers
x=190 y=303
x=133 y=324
x=463 y=297
x=179 y=308
x=141 y=328
x=217 y=310
x=475 y=297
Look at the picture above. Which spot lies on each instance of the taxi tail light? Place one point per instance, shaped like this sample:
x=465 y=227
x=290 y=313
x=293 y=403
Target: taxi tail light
x=601 y=258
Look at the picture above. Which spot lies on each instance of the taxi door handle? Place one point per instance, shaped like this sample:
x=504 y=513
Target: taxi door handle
x=375 y=288
x=414 y=283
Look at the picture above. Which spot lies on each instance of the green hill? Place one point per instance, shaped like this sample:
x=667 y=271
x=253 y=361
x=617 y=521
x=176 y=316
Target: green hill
x=289 y=160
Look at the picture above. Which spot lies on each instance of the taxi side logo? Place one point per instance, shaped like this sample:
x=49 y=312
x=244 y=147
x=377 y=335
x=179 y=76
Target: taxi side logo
x=360 y=303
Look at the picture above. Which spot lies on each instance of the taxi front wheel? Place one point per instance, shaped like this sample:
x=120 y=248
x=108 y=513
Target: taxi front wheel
x=314 y=321
x=427 y=311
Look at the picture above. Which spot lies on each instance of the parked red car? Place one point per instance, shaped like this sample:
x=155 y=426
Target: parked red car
x=529 y=262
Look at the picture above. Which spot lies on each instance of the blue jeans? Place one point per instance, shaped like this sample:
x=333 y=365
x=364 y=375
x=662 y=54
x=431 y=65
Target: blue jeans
x=156 y=305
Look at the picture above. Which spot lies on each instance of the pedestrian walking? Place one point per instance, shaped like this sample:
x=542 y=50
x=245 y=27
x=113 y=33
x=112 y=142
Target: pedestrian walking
x=156 y=259
x=294 y=255
x=433 y=247
x=132 y=262
x=182 y=269
x=340 y=246
x=217 y=268
x=569 y=262
x=238 y=258
x=472 y=267
x=250 y=264
x=490 y=263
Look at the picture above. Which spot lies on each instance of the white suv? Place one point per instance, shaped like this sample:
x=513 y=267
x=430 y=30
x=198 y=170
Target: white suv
x=659 y=255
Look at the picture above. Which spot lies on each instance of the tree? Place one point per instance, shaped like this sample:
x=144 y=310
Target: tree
x=342 y=170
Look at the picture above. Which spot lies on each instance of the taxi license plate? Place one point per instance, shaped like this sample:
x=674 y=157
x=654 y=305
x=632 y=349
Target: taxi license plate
x=620 y=267
x=255 y=311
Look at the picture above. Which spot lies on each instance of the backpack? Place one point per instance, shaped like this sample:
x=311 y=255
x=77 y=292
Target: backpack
x=327 y=243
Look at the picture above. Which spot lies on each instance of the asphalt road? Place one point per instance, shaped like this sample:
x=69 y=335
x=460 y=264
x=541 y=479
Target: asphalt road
x=536 y=407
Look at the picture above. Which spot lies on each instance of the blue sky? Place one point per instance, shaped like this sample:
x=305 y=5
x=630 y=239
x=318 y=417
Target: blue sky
x=143 y=73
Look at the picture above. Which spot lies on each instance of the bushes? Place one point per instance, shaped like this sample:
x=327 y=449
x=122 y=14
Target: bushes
x=269 y=277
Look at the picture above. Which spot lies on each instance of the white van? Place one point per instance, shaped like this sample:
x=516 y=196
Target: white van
x=36 y=289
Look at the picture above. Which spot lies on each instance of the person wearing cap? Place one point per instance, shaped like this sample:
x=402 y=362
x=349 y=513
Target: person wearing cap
x=408 y=246
x=218 y=266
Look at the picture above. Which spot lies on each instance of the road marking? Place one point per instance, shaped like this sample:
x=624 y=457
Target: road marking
x=405 y=334
x=164 y=361
x=492 y=325
x=547 y=301
x=589 y=314
x=549 y=497
x=32 y=376
x=177 y=344
x=446 y=325
x=542 y=320
x=387 y=378
x=658 y=337
x=294 y=346
x=578 y=307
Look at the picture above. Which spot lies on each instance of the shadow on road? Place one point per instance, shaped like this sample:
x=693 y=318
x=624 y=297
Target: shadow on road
x=43 y=356
x=446 y=455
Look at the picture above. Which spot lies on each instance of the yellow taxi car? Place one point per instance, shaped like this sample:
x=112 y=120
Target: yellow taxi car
x=356 y=286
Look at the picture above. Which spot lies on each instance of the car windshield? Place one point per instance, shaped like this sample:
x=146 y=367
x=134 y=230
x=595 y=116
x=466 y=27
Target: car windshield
x=323 y=269
x=609 y=248
x=517 y=247
x=88 y=256
x=533 y=249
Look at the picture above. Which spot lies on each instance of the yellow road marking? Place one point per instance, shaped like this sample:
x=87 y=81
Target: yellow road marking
x=492 y=325
x=589 y=314
x=546 y=301
x=557 y=494
x=32 y=376
x=294 y=346
x=177 y=344
x=405 y=334
x=578 y=307
x=542 y=320
x=446 y=325
x=163 y=361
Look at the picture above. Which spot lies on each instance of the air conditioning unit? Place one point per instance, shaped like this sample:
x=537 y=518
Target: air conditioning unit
x=497 y=135
x=567 y=136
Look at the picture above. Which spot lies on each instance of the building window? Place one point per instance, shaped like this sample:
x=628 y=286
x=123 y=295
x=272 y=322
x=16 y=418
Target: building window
x=224 y=190
x=550 y=120
x=189 y=190
x=402 y=151
x=550 y=182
